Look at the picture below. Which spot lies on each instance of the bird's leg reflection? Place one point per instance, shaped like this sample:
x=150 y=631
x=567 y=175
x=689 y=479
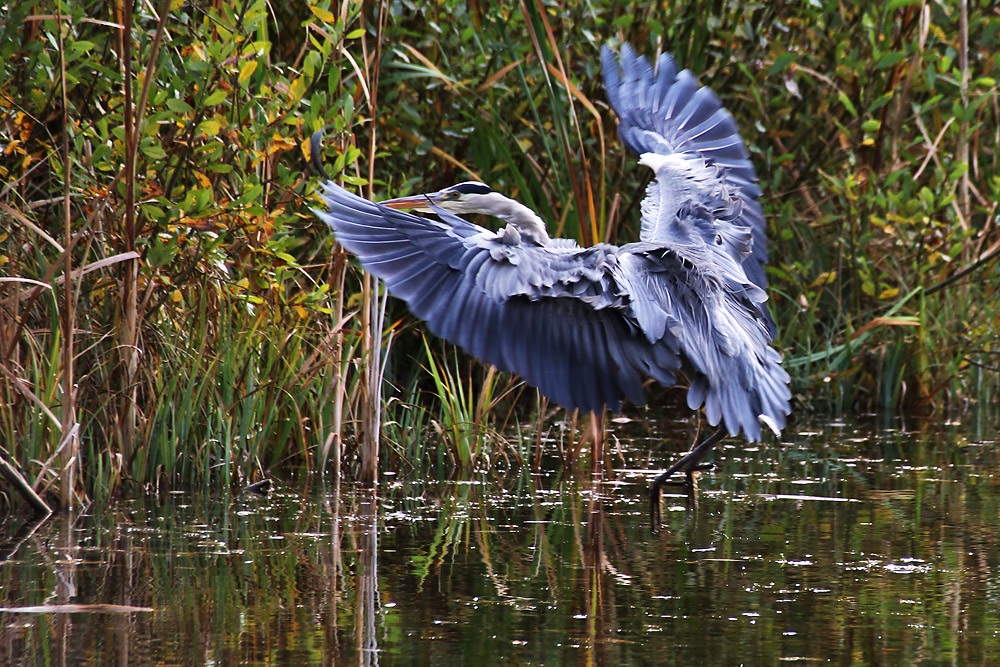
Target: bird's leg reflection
x=689 y=464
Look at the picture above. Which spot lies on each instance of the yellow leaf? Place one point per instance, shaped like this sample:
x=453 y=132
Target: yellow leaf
x=247 y=70
x=324 y=15
x=202 y=179
x=176 y=296
x=298 y=88
x=888 y=293
x=300 y=311
x=280 y=143
x=824 y=278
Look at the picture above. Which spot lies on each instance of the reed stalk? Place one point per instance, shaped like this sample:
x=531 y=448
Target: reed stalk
x=373 y=307
x=70 y=458
x=128 y=333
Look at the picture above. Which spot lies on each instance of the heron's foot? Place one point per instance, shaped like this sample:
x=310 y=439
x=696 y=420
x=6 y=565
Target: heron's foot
x=688 y=464
x=689 y=481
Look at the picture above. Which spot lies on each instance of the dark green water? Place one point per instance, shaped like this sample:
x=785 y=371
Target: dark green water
x=839 y=544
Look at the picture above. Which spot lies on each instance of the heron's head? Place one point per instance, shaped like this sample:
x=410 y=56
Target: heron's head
x=474 y=197
x=468 y=197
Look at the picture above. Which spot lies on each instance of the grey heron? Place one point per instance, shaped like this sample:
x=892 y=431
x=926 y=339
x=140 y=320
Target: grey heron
x=587 y=325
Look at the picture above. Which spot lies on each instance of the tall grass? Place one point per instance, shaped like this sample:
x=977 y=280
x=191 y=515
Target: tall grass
x=169 y=304
x=184 y=316
x=473 y=415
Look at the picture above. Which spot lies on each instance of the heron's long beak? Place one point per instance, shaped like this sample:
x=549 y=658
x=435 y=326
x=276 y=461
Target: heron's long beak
x=418 y=202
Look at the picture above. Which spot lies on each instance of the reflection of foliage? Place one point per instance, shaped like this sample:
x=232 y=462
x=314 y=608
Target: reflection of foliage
x=873 y=129
x=904 y=568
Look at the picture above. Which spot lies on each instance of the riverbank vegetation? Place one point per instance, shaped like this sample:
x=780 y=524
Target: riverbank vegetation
x=172 y=312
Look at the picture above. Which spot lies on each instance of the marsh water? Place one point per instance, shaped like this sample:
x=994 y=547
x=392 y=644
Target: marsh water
x=851 y=544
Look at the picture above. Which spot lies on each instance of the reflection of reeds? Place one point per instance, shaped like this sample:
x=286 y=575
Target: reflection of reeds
x=550 y=560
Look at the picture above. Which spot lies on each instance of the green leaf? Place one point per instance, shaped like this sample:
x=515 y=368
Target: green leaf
x=847 y=103
x=880 y=101
x=210 y=127
x=927 y=198
x=160 y=252
x=215 y=98
x=153 y=151
x=180 y=106
x=354 y=180
x=781 y=63
x=152 y=212
x=623 y=21
x=253 y=192
x=355 y=34
x=890 y=59
x=960 y=169
x=76 y=48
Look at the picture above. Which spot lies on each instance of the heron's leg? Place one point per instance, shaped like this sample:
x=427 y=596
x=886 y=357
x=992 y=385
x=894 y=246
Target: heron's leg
x=688 y=464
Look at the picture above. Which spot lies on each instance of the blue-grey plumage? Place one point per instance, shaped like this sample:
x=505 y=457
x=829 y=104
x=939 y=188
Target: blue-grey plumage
x=667 y=114
x=587 y=325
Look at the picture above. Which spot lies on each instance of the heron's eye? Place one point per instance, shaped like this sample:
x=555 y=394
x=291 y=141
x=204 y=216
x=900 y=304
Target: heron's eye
x=718 y=239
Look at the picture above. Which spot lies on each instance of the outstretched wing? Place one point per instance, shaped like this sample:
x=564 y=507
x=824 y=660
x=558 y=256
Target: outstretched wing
x=551 y=314
x=717 y=325
x=665 y=112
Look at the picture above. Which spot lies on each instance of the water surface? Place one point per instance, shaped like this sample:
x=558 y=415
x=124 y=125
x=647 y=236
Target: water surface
x=843 y=544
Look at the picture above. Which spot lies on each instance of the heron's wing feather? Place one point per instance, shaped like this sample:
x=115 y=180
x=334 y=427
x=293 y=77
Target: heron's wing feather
x=664 y=111
x=549 y=314
x=718 y=328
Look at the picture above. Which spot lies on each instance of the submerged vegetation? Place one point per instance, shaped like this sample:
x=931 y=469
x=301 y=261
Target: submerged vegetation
x=170 y=310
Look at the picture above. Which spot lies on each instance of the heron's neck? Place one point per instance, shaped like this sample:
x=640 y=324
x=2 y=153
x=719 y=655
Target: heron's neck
x=513 y=212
